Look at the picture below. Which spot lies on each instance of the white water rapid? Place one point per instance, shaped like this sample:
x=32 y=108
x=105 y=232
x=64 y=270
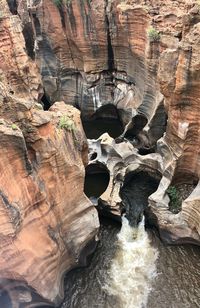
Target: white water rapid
x=133 y=267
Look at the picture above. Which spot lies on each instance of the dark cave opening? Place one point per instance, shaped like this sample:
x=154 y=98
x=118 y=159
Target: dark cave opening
x=134 y=193
x=111 y=63
x=45 y=102
x=97 y=178
x=105 y=120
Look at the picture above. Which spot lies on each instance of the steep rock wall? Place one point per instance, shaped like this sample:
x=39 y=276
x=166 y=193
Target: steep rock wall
x=94 y=53
x=44 y=226
x=47 y=225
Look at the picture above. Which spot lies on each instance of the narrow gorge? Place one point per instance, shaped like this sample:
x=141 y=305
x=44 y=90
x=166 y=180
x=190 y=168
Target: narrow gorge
x=100 y=153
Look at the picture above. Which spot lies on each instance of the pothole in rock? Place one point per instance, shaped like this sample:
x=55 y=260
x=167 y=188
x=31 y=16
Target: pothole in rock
x=181 y=187
x=97 y=178
x=135 y=192
x=105 y=120
x=146 y=151
x=93 y=156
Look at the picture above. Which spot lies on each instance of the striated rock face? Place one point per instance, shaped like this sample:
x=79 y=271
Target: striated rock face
x=47 y=223
x=101 y=52
x=19 y=73
x=90 y=54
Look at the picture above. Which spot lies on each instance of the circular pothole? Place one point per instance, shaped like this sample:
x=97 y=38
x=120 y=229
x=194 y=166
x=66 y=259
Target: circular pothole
x=97 y=178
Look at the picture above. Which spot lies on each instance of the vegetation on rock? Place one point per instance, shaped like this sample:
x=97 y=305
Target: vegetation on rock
x=14 y=127
x=175 y=200
x=66 y=123
x=153 y=34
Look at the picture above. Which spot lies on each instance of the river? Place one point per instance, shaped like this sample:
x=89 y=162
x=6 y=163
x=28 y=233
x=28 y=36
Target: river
x=170 y=275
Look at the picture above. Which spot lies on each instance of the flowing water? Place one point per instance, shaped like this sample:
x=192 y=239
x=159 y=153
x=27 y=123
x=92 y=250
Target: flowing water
x=133 y=266
x=122 y=273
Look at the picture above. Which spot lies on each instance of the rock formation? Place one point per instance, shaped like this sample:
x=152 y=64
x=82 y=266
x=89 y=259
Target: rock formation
x=48 y=226
x=139 y=56
x=46 y=221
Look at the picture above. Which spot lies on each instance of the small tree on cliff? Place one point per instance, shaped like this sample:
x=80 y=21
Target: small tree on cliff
x=153 y=34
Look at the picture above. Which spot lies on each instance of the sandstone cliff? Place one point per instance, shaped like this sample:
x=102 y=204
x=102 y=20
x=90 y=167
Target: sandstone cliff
x=142 y=57
x=48 y=225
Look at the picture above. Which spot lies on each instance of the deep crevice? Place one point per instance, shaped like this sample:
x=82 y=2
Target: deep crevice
x=37 y=25
x=111 y=62
x=29 y=40
x=45 y=102
x=12 y=6
x=146 y=151
x=62 y=16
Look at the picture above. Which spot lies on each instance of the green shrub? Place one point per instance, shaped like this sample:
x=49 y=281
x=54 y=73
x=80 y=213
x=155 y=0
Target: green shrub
x=14 y=127
x=153 y=34
x=175 y=200
x=66 y=123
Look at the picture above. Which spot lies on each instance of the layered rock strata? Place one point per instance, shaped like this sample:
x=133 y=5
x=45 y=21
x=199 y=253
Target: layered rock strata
x=104 y=52
x=45 y=228
x=48 y=226
x=90 y=54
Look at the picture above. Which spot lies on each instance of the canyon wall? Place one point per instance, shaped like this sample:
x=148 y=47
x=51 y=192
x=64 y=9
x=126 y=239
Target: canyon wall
x=92 y=53
x=142 y=57
x=48 y=225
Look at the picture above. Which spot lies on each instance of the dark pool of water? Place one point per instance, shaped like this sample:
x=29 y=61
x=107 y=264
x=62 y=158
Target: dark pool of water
x=177 y=284
x=84 y=286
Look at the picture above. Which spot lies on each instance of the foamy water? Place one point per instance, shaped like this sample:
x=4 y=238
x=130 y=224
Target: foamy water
x=133 y=267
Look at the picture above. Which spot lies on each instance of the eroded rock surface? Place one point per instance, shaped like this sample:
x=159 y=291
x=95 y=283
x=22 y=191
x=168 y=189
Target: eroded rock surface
x=44 y=226
x=46 y=220
x=48 y=226
x=90 y=54
x=102 y=52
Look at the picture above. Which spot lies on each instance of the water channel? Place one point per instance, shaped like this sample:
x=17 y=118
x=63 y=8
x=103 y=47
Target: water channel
x=131 y=267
